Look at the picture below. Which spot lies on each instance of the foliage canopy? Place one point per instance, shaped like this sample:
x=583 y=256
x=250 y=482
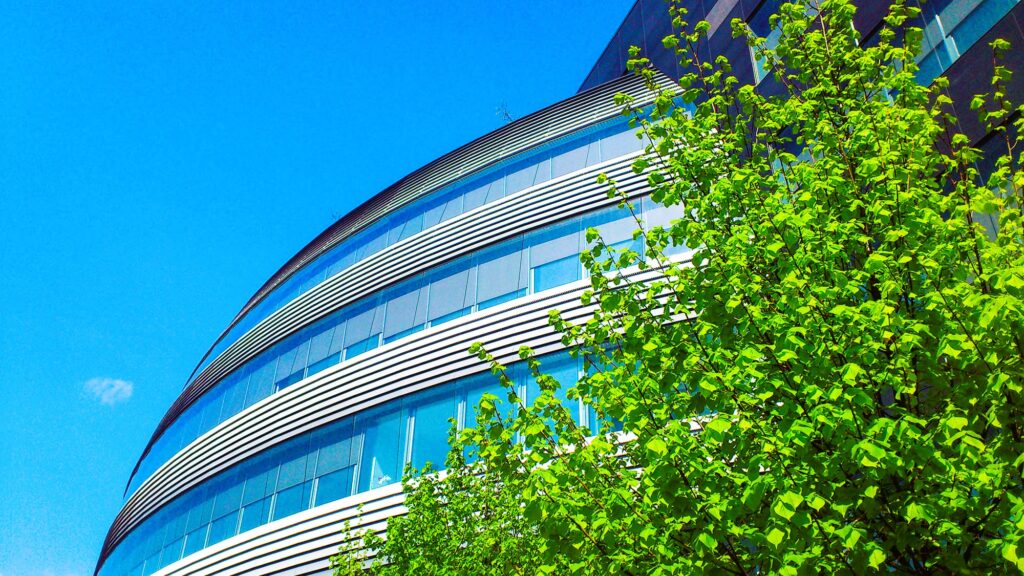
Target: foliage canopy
x=831 y=384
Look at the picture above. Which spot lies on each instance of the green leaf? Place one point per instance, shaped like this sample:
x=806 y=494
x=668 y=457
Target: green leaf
x=775 y=536
x=658 y=446
x=708 y=541
x=876 y=558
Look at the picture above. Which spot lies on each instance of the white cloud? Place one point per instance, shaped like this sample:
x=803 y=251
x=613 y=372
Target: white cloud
x=110 y=391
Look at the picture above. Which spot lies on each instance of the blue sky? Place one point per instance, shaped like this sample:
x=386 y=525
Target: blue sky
x=158 y=163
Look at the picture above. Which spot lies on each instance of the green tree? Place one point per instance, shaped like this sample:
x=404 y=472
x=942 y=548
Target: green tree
x=832 y=384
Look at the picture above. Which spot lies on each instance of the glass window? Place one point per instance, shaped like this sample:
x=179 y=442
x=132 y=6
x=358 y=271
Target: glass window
x=363 y=328
x=255 y=514
x=229 y=497
x=223 y=528
x=406 y=310
x=452 y=292
x=293 y=469
x=201 y=512
x=564 y=369
x=292 y=500
x=554 y=256
x=571 y=160
x=430 y=412
x=410 y=222
x=325 y=347
x=657 y=214
x=172 y=552
x=212 y=402
x=616 y=228
x=234 y=395
x=291 y=364
x=383 y=447
x=485 y=193
x=261 y=383
x=502 y=274
x=620 y=144
x=523 y=177
x=334 y=486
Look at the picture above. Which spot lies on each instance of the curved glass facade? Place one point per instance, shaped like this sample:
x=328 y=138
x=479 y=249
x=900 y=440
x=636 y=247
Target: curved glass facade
x=522 y=265
x=604 y=141
x=352 y=455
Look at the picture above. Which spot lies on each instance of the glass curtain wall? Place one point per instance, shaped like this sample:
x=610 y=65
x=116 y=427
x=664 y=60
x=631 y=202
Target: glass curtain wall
x=579 y=150
x=545 y=259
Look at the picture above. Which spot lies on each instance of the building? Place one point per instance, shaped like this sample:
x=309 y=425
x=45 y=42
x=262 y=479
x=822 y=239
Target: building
x=348 y=363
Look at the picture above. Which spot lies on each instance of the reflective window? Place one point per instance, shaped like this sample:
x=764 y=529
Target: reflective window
x=554 y=256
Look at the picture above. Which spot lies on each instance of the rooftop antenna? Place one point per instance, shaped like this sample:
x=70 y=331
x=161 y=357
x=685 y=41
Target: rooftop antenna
x=503 y=112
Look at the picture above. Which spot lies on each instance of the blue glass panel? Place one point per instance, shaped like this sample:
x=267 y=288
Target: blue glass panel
x=292 y=500
x=556 y=273
x=502 y=271
x=172 y=552
x=223 y=528
x=502 y=299
x=362 y=346
x=452 y=290
x=334 y=486
x=452 y=316
x=431 y=412
x=255 y=514
x=324 y=364
x=383 y=447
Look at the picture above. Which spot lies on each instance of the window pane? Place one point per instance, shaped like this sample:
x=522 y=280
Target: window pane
x=172 y=552
x=656 y=214
x=570 y=160
x=452 y=291
x=556 y=273
x=501 y=272
x=431 y=412
x=365 y=323
x=484 y=193
x=229 y=498
x=383 y=445
x=201 y=513
x=411 y=223
x=406 y=309
x=523 y=177
x=293 y=470
x=320 y=344
x=223 y=528
x=261 y=383
x=452 y=207
x=292 y=364
x=292 y=500
x=334 y=456
x=619 y=144
x=334 y=486
x=234 y=396
x=555 y=243
x=196 y=540
x=255 y=514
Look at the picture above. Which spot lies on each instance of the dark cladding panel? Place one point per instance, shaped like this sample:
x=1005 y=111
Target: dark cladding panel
x=972 y=73
x=869 y=15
